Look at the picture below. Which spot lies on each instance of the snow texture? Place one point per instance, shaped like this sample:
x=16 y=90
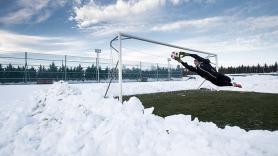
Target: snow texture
x=63 y=119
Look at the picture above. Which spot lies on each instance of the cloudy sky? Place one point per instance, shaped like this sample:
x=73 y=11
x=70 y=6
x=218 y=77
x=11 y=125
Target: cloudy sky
x=239 y=31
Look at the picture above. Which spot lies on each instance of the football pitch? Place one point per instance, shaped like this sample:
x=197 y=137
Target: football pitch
x=248 y=110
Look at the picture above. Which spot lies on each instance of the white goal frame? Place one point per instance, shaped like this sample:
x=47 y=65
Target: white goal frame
x=120 y=67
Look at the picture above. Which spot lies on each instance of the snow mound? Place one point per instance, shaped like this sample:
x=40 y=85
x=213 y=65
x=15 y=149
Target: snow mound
x=63 y=120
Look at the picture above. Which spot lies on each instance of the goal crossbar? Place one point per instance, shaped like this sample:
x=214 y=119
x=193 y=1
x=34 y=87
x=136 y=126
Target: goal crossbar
x=165 y=44
x=120 y=38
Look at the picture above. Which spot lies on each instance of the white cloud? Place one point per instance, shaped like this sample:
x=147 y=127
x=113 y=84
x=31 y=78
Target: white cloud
x=92 y=14
x=102 y=31
x=229 y=24
x=31 y=10
x=17 y=17
x=128 y=12
x=232 y=50
x=177 y=2
x=44 y=16
x=247 y=49
x=231 y=37
x=263 y=22
x=13 y=42
x=199 y=23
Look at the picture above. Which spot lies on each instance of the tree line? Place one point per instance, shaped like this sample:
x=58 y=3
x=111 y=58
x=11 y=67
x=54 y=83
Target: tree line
x=52 y=72
x=250 y=69
x=10 y=73
x=245 y=69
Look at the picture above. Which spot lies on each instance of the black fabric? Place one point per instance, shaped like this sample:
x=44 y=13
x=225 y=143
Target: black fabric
x=200 y=59
x=189 y=67
x=209 y=73
x=222 y=80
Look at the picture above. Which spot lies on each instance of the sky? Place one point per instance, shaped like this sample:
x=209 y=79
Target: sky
x=238 y=31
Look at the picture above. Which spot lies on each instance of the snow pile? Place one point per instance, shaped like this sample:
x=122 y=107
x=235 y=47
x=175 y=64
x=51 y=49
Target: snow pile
x=252 y=83
x=64 y=120
x=256 y=83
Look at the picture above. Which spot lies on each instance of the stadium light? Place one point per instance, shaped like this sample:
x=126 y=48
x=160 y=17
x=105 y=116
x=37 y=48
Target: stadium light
x=97 y=51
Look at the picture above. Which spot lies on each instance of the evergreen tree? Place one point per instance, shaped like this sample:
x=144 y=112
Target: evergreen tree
x=1 y=74
x=19 y=74
x=275 y=67
x=9 y=75
x=52 y=71
x=90 y=73
x=103 y=73
x=42 y=73
x=78 y=73
x=32 y=74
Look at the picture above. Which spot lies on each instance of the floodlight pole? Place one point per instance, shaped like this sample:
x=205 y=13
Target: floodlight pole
x=120 y=68
x=97 y=51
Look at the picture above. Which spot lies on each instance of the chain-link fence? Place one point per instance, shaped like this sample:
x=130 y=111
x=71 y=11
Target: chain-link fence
x=26 y=67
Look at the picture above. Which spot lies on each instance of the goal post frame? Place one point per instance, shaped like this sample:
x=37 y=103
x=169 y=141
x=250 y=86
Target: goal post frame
x=120 y=67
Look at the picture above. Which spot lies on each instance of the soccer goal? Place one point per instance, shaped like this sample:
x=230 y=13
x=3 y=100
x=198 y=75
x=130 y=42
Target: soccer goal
x=127 y=47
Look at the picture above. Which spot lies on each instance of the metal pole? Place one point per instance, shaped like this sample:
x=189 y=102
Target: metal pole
x=157 y=72
x=181 y=70
x=65 y=68
x=140 y=74
x=25 y=70
x=96 y=70
x=201 y=84
x=216 y=62
x=97 y=63
x=169 y=75
x=97 y=67
x=170 y=71
x=120 y=69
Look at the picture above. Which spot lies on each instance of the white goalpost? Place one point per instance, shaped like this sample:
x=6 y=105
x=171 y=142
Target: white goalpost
x=122 y=36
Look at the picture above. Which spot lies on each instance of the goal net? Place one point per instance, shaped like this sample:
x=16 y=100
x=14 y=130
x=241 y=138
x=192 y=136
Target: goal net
x=141 y=59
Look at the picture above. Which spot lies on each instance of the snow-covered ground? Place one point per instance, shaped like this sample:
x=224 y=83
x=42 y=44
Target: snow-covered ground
x=75 y=119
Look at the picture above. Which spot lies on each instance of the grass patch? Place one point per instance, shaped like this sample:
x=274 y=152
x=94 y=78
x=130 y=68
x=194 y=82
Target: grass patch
x=247 y=110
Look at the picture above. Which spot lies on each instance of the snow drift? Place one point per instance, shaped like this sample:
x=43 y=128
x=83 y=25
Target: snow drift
x=64 y=120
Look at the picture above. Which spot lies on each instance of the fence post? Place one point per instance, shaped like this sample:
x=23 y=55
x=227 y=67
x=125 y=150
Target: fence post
x=181 y=70
x=65 y=70
x=140 y=74
x=169 y=69
x=25 y=70
x=157 y=72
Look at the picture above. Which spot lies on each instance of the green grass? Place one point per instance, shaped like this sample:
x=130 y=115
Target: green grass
x=247 y=110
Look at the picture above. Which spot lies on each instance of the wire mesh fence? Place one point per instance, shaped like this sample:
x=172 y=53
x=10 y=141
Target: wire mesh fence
x=27 y=67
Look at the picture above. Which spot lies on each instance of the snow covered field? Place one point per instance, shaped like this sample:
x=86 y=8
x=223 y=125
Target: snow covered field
x=75 y=119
